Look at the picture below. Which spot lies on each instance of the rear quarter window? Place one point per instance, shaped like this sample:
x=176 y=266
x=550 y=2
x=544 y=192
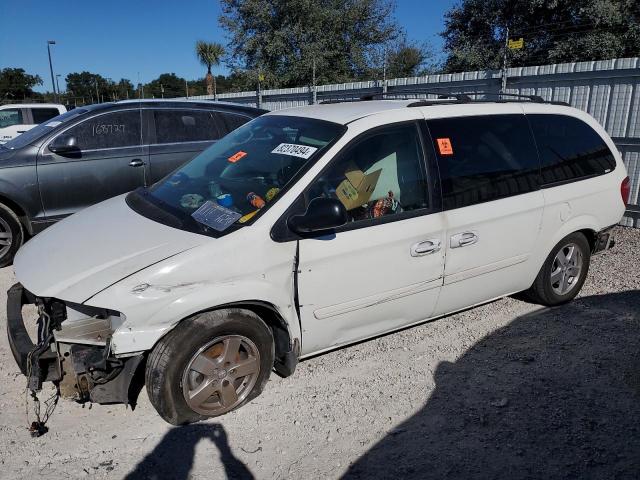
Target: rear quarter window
x=569 y=149
x=484 y=158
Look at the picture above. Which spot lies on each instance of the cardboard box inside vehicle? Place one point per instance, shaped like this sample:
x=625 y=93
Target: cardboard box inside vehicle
x=357 y=187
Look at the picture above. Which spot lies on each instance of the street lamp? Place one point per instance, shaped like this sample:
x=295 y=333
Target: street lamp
x=53 y=82
x=58 y=83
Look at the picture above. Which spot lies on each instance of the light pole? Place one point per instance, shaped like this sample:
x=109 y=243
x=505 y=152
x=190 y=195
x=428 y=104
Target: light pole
x=53 y=82
x=58 y=83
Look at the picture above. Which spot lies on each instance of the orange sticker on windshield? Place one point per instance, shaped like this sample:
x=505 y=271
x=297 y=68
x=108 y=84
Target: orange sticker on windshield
x=444 y=146
x=237 y=156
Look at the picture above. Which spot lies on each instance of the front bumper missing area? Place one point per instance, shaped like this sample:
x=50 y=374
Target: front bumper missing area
x=84 y=372
x=47 y=366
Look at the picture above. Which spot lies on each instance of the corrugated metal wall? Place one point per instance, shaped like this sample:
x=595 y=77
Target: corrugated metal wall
x=609 y=90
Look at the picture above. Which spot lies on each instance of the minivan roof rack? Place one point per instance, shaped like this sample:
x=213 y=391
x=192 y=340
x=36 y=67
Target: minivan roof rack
x=516 y=98
x=459 y=97
x=442 y=97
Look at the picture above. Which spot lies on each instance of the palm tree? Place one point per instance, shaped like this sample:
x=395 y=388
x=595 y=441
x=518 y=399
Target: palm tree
x=209 y=55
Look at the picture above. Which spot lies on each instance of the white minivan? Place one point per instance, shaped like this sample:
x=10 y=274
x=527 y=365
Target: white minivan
x=18 y=118
x=309 y=229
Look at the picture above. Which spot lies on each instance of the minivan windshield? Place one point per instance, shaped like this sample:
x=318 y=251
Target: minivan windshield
x=246 y=170
x=43 y=129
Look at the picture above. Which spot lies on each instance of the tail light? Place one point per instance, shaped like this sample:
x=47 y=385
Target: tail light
x=625 y=190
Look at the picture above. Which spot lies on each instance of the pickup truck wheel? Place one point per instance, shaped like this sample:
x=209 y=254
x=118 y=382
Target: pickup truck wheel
x=563 y=273
x=11 y=235
x=209 y=365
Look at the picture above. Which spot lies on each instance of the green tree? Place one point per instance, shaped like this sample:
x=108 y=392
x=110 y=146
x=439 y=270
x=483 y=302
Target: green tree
x=553 y=32
x=209 y=54
x=167 y=85
x=16 y=84
x=89 y=87
x=281 y=40
x=124 y=89
x=409 y=59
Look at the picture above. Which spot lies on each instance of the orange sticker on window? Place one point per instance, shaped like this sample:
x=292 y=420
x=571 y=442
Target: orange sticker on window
x=444 y=146
x=237 y=156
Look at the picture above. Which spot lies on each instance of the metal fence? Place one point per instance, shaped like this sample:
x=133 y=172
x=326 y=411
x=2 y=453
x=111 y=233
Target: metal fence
x=609 y=90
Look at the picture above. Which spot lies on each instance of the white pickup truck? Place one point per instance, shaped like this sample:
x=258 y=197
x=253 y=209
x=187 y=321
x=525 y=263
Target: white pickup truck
x=17 y=118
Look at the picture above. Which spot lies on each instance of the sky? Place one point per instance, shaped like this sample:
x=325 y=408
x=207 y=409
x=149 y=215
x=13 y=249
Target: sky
x=140 y=39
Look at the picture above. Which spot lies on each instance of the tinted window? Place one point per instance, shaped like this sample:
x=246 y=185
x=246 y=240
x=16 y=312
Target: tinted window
x=43 y=114
x=111 y=130
x=380 y=175
x=175 y=126
x=569 y=148
x=233 y=121
x=484 y=158
x=10 y=116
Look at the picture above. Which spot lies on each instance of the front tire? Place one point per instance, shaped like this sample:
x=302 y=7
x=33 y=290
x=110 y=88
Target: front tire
x=11 y=235
x=209 y=365
x=563 y=273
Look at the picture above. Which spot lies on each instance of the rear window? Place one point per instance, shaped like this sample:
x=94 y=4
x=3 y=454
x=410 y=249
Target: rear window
x=484 y=158
x=569 y=148
x=43 y=114
x=177 y=126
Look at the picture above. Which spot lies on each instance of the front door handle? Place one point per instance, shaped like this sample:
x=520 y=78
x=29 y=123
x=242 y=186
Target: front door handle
x=136 y=162
x=463 y=239
x=425 y=248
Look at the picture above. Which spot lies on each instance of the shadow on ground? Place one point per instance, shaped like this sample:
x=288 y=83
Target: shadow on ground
x=173 y=456
x=555 y=394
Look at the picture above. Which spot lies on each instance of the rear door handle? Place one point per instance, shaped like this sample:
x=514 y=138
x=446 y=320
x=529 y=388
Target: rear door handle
x=136 y=162
x=425 y=248
x=463 y=239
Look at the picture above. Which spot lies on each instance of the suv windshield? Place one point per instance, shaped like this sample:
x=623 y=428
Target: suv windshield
x=43 y=129
x=246 y=170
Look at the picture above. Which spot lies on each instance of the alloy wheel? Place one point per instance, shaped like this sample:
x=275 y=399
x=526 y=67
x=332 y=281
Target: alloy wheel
x=6 y=237
x=221 y=375
x=566 y=268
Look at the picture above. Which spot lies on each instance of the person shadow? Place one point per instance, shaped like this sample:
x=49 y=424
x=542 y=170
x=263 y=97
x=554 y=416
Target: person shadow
x=554 y=394
x=172 y=458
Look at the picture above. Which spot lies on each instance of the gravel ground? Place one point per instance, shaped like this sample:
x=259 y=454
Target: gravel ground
x=505 y=390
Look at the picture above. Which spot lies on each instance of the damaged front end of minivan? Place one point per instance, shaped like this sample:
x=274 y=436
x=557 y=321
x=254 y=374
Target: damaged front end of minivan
x=73 y=349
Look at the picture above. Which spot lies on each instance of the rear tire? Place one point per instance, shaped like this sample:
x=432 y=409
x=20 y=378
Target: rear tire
x=209 y=365
x=11 y=235
x=563 y=272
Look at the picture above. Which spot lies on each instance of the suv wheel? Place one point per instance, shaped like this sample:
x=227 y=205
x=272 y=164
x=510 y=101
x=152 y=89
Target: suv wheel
x=563 y=273
x=11 y=235
x=209 y=365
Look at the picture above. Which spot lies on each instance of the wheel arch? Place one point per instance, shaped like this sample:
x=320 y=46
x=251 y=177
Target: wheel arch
x=287 y=345
x=20 y=212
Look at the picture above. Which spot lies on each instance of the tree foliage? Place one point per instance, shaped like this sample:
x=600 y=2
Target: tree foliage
x=172 y=84
x=409 y=59
x=553 y=31
x=209 y=53
x=17 y=84
x=279 y=40
x=86 y=87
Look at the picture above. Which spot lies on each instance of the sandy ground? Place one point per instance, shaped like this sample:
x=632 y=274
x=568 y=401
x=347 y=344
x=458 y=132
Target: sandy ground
x=506 y=390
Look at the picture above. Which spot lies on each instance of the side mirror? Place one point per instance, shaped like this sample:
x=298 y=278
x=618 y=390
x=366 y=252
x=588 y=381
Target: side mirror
x=322 y=214
x=64 y=144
